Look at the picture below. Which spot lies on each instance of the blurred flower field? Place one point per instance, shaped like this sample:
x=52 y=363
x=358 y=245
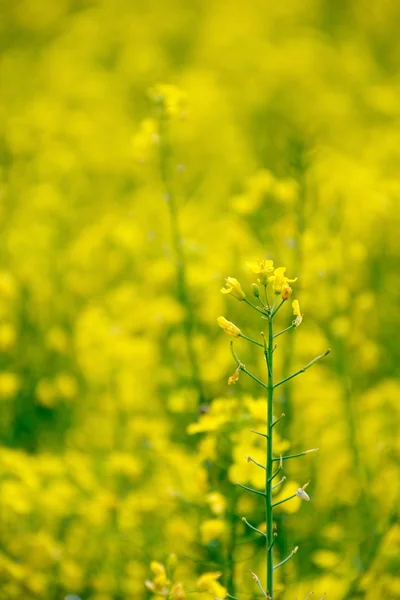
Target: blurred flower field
x=149 y=149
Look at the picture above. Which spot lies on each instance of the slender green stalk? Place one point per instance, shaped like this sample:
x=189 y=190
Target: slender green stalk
x=284 y=330
x=251 y=340
x=165 y=153
x=310 y=364
x=269 y=347
x=268 y=473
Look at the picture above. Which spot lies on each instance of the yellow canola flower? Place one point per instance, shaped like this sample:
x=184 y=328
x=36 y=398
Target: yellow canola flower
x=234 y=378
x=208 y=583
x=263 y=268
x=296 y=308
x=160 y=581
x=170 y=98
x=229 y=327
x=177 y=592
x=296 y=313
x=9 y=384
x=212 y=529
x=217 y=503
x=234 y=288
x=279 y=280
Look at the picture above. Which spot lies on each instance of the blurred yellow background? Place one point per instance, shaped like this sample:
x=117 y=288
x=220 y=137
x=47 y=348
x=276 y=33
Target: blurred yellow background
x=120 y=439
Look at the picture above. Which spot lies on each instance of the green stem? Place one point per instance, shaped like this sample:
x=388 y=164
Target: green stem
x=287 y=558
x=254 y=306
x=285 y=500
x=284 y=330
x=165 y=153
x=277 y=308
x=250 y=340
x=269 y=464
x=310 y=364
x=281 y=458
x=243 y=368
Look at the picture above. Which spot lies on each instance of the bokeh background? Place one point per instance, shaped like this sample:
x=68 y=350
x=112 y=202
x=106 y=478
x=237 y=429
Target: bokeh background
x=120 y=439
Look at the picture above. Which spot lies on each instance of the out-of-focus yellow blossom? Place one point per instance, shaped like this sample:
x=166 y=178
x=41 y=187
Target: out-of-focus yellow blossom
x=170 y=98
x=233 y=287
x=145 y=140
x=46 y=393
x=8 y=286
x=229 y=327
x=212 y=529
x=160 y=582
x=208 y=583
x=66 y=385
x=178 y=592
x=279 y=280
x=262 y=268
x=9 y=384
x=57 y=339
x=7 y=336
x=217 y=503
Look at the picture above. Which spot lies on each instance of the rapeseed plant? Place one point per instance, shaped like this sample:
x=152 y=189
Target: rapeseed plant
x=275 y=293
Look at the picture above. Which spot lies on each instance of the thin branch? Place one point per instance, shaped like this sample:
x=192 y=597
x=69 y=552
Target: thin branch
x=254 y=306
x=279 y=482
x=310 y=364
x=276 y=473
x=249 y=459
x=249 y=489
x=243 y=368
x=296 y=455
x=253 y=528
x=250 y=340
x=277 y=308
x=257 y=580
x=259 y=433
x=284 y=330
x=285 y=500
x=277 y=420
x=287 y=558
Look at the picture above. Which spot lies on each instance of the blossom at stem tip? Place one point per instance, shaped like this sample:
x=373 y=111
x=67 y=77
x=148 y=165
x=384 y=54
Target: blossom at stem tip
x=279 y=280
x=233 y=287
x=229 y=327
x=262 y=268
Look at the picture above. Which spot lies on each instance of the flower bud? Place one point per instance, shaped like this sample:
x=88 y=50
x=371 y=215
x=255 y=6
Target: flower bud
x=302 y=495
x=256 y=290
x=233 y=287
x=286 y=292
x=228 y=327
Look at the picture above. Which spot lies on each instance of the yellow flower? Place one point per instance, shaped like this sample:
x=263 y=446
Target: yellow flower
x=208 y=583
x=170 y=98
x=286 y=292
x=212 y=529
x=279 y=280
x=263 y=268
x=234 y=288
x=228 y=327
x=160 y=582
x=217 y=503
x=178 y=592
x=296 y=308
x=234 y=378
x=296 y=313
